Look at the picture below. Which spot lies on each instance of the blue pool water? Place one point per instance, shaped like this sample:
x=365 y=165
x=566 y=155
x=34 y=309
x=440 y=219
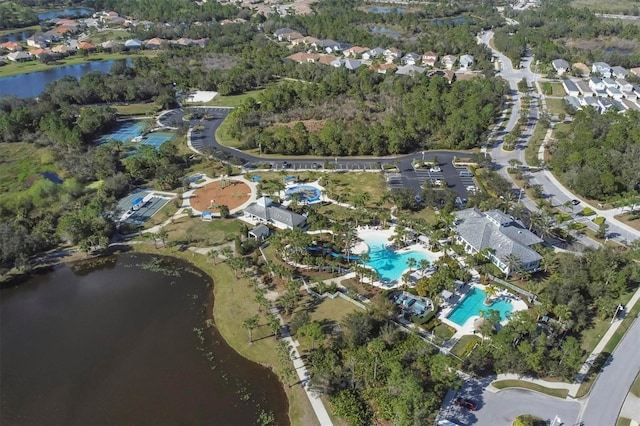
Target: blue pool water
x=474 y=303
x=308 y=193
x=389 y=265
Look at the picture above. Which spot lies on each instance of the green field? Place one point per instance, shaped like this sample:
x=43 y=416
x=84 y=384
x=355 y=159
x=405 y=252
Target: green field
x=611 y=6
x=21 y=163
x=555 y=106
x=148 y=108
x=233 y=101
x=504 y=384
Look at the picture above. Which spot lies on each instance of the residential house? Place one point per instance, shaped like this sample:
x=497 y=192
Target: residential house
x=19 y=56
x=618 y=105
x=630 y=95
x=635 y=71
x=133 y=44
x=591 y=102
x=37 y=40
x=573 y=102
x=570 y=87
x=633 y=106
x=391 y=54
x=560 y=65
x=602 y=69
x=581 y=69
x=286 y=34
x=411 y=58
x=350 y=64
x=448 y=74
x=355 y=51
x=383 y=68
x=429 y=59
x=183 y=41
x=325 y=59
x=596 y=84
x=89 y=47
x=614 y=92
x=304 y=57
x=466 y=61
x=110 y=45
x=449 y=61
x=609 y=82
x=605 y=104
x=260 y=232
x=624 y=85
x=62 y=49
x=154 y=43
x=326 y=45
x=410 y=70
x=306 y=41
x=11 y=46
x=376 y=52
x=619 y=72
x=497 y=236
x=584 y=88
x=265 y=211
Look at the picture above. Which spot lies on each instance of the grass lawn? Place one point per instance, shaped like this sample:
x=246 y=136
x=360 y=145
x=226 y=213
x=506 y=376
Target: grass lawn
x=427 y=213
x=223 y=137
x=114 y=34
x=233 y=100
x=235 y=301
x=353 y=182
x=627 y=218
x=463 y=346
x=635 y=387
x=555 y=106
x=195 y=232
x=611 y=6
x=33 y=66
x=140 y=108
x=35 y=27
x=21 y=163
x=557 y=89
x=533 y=146
x=332 y=310
x=161 y=215
x=623 y=422
x=558 y=393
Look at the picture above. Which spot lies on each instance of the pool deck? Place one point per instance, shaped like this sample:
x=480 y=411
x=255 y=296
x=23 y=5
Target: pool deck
x=291 y=185
x=378 y=232
x=468 y=327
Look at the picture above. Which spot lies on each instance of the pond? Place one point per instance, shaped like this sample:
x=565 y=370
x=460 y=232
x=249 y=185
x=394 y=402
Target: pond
x=74 y=11
x=385 y=10
x=18 y=36
x=618 y=51
x=124 y=342
x=33 y=84
x=385 y=31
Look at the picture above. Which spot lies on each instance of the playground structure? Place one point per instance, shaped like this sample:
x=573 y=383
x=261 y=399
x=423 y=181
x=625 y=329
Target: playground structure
x=225 y=182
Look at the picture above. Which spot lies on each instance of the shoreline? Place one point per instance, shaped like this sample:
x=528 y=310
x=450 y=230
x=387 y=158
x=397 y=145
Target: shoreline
x=262 y=352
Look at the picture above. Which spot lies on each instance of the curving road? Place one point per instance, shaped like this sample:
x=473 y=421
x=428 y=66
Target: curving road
x=206 y=138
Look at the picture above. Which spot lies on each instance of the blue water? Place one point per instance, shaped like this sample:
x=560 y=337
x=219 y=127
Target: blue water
x=32 y=84
x=474 y=303
x=76 y=11
x=308 y=193
x=389 y=265
x=124 y=132
x=386 y=10
x=17 y=36
x=386 y=31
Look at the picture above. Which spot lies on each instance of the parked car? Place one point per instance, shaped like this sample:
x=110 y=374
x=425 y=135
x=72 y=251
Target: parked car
x=466 y=403
x=575 y=202
x=435 y=169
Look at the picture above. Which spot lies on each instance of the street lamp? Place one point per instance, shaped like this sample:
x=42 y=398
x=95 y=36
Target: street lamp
x=615 y=315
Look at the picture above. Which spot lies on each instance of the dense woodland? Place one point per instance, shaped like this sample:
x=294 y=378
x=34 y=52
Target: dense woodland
x=545 y=30
x=599 y=155
x=15 y=16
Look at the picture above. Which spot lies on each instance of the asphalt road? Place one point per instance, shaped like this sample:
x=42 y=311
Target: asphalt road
x=206 y=138
x=613 y=384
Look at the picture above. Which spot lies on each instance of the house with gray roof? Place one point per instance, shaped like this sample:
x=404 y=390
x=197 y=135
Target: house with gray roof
x=601 y=68
x=619 y=72
x=410 y=70
x=560 y=65
x=373 y=53
x=466 y=61
x=133 y=44
x=411 y=58
x=570 y=87
x=498 y=237
x=584 y=88
x=265 y=211
x=350 y=64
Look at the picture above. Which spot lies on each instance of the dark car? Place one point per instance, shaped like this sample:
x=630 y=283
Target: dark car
x=466 y=403
x=575 y=202
x=286 y=165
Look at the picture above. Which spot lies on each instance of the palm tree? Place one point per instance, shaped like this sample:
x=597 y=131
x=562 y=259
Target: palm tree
x=214 y=254
x=412 y=263
x=163 y=235
x=491 y=291
x=274 y=325
x=250 y=324
x=512 y=261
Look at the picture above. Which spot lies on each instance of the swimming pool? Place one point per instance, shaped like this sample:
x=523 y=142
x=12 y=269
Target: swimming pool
x=474 y=303
x=389 y=264
x=308 y=193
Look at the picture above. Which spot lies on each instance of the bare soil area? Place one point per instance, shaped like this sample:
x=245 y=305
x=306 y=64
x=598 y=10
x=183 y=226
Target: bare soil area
x=232 y=196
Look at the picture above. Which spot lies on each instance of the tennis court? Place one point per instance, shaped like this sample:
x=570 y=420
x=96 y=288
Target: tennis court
x=124 y=132
x=156 y=139
x=143 y=210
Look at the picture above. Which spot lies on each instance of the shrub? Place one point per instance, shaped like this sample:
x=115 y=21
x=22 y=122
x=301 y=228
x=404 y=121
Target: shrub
x=563 y=217
x=599 y=220
x=587 y=211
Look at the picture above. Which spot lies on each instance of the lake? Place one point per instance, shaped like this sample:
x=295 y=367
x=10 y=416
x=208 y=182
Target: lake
x=385 y=10
x=18 y=36
x=124 y=342
x=33 y=84
x=74 y=11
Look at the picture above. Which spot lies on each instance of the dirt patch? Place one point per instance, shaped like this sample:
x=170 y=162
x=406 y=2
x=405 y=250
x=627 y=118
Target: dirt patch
x=602 y=43
x=232 y=196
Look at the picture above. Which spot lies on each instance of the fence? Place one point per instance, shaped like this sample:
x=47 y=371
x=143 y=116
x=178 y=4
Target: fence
x=532 y=297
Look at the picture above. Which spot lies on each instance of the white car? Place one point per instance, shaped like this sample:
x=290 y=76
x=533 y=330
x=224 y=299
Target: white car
x=435 y=169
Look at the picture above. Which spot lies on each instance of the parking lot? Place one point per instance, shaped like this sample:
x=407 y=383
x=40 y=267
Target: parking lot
x=466 y=177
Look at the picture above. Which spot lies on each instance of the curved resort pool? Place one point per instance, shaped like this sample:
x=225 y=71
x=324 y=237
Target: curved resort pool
x=308 y=193
x=389 y=264
x=473 y=304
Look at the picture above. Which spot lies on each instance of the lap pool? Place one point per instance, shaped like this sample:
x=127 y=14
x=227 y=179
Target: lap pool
x=473 y=304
